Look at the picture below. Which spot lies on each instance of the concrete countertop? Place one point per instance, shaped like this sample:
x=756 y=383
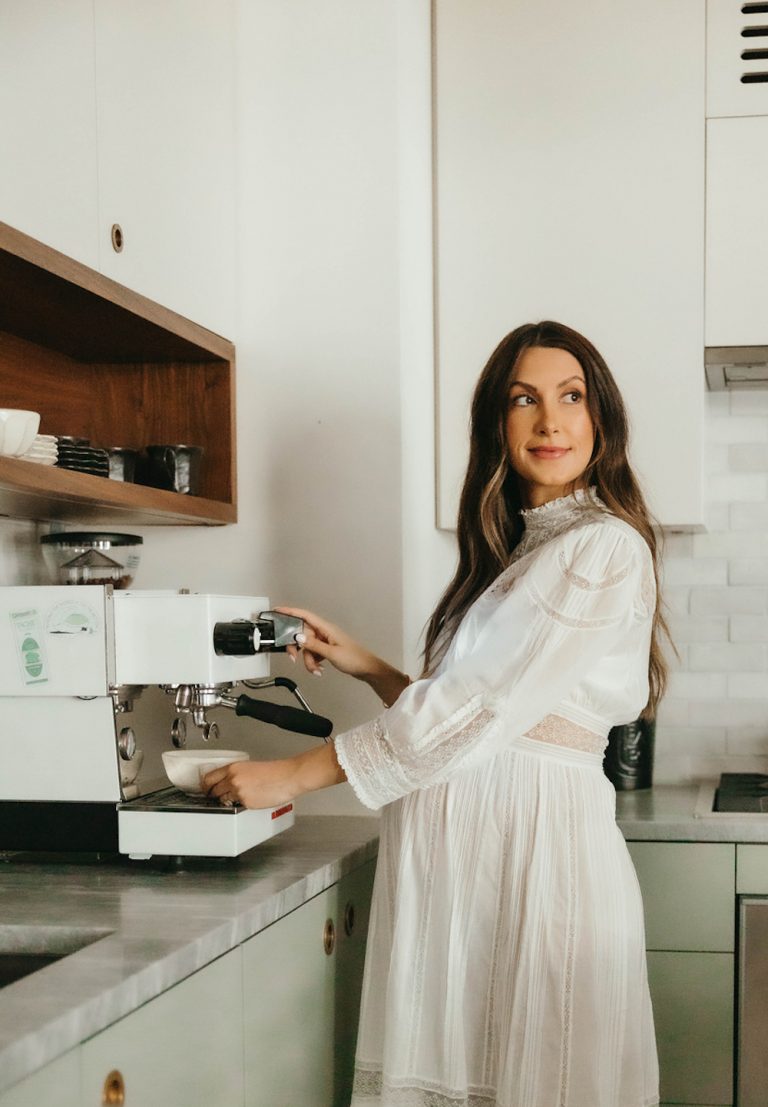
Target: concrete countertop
x=153 y=926
x=684 y=814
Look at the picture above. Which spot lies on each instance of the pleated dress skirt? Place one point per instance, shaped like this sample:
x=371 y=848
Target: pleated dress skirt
x=506 y=951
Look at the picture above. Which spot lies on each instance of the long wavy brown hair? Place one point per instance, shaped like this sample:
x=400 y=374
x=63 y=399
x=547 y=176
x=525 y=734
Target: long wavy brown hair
x=489 y=524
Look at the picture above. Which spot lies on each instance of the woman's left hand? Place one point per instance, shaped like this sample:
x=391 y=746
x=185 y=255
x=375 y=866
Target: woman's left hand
x=254 y=784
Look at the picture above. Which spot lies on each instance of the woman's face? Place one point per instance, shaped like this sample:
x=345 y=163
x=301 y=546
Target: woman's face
x=550 y=434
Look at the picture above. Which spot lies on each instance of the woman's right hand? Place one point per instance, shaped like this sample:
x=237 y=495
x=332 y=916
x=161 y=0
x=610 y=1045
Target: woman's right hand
x=325 y=641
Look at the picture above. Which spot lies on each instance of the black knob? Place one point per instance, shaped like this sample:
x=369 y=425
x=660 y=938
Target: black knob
x=235 y=639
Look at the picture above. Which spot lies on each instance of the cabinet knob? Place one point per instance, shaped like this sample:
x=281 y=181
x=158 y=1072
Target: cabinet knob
x=117 y=237
x=114 y=1089
x=329 y=937
x=349 y=918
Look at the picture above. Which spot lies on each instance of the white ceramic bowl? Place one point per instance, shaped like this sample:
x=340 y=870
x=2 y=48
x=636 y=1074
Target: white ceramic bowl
x=17 y=430
x=184 y=768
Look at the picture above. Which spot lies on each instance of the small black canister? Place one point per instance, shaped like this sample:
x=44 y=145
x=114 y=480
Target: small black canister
x=628 y=761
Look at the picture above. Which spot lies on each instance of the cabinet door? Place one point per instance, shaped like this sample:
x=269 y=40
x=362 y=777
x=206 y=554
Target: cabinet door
x=692 y=996
x=165 y=89
x=48 y=124
x=186 y=1046
x=58 y=1082
x=569 y=153
x=689 y=893
x=289 y=996
x=302 y=999
x=737 y=166
x=353 y=913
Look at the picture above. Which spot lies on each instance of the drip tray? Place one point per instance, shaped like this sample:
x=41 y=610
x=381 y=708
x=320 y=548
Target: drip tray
x=171 y=799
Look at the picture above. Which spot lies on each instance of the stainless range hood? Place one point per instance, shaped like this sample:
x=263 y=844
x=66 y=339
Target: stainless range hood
x=736 y=367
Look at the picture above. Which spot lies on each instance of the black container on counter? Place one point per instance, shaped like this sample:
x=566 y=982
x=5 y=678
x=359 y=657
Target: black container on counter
x=628 y=761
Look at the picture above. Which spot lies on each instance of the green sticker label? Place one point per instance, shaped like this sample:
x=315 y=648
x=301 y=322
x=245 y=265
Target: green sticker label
x=29 y=639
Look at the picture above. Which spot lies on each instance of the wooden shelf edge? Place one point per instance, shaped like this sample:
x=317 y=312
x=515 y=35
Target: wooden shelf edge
x=64 y=268
x=47 y=493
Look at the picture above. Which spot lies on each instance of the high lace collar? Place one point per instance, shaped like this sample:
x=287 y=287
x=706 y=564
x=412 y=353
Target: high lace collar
x=551 y=519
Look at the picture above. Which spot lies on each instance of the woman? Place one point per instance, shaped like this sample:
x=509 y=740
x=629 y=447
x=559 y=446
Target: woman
x=506 y=962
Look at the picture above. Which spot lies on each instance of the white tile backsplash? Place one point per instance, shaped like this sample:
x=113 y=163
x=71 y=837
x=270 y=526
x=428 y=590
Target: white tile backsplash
x=715 y=716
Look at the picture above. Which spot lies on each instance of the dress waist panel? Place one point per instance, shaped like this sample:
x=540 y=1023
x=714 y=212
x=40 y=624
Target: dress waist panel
x=560 y=738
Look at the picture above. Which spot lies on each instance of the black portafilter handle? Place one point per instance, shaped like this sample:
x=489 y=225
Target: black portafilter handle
x=289 y=718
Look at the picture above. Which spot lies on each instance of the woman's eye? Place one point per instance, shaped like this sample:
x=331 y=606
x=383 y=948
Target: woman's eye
x=522 y=399
x=574 y=397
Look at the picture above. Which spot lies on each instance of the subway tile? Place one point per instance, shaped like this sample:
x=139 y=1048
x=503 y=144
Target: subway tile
x=676 y=544
x=749 y=517
x=748 y=628
x=747 y=739
x=677 y=600
x=728 y=713
x=749 y=686
x=710 y=768
x=700 y=629
x=731 y=544
x=748 y=570
x=712 y=685
x=744 y=457
x=672 y=712
x=747 y=487
x=749 y=402
x=697 y=740
x=669 y=769
x=717 y=515
x=717 y=404
x=728 y=430
x=727 y=657
x=693 y=571
x=728 y=601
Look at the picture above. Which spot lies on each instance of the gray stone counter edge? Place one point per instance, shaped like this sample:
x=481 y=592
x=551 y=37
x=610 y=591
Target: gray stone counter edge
x=683 y=813
x=34 y=1049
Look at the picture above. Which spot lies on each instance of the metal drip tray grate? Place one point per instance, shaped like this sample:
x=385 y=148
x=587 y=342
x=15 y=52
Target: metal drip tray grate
x=171 y=799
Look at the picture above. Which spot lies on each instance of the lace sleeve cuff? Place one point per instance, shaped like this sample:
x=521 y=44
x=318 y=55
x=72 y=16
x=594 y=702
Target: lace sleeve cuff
x=366 y=757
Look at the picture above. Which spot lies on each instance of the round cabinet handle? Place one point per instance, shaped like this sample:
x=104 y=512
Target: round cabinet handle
x=329 y=937
x=114 y=1089
x=117 y=237
x=349 y=918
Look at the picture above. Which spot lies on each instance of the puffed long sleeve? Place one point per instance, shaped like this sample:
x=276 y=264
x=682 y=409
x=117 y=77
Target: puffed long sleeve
x=579 y=598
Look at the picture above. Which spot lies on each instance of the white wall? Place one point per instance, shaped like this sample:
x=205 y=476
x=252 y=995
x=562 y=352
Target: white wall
x=317 y=349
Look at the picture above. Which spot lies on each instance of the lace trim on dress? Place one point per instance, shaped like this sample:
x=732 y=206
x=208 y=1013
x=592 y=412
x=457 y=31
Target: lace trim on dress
x=567 y=620
x=562 y=732
x=412 y=1093
x=589 y=585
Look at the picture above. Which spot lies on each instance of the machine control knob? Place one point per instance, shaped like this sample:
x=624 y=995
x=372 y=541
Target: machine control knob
x=238 y=638
x=126 y=743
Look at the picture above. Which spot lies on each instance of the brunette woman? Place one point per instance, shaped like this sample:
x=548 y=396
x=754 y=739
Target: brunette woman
x=506 y=961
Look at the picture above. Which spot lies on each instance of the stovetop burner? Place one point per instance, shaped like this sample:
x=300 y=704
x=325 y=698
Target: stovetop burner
x=742 y=792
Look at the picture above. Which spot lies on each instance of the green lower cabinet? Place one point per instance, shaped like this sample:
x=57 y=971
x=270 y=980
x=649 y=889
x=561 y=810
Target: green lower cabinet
x=302 y=979
x=58 y=1082
x=692 y=997
x=184 y=1047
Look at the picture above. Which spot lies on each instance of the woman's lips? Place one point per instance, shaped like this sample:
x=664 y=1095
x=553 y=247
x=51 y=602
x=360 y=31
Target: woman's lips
x=551 y=452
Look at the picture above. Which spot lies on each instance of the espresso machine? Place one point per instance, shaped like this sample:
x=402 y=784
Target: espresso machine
x=76 y=664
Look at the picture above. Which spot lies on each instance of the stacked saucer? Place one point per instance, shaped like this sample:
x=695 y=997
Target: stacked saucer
x=80 y=456
x=44 y=450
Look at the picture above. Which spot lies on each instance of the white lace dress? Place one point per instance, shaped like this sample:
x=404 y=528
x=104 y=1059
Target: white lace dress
x=506 y=961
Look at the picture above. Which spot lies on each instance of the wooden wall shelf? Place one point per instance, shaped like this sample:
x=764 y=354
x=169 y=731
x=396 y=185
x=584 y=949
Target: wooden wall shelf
x=100 y=361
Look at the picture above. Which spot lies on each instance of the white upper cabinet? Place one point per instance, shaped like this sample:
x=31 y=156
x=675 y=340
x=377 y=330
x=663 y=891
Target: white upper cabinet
x=165 y=86
x=737 y=58
x=48 y=123
x=570 y=186
x=737 y=231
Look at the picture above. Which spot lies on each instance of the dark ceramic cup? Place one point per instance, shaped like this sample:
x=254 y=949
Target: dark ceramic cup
x=175 y=467
x=628 y=761
x=122 y=462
